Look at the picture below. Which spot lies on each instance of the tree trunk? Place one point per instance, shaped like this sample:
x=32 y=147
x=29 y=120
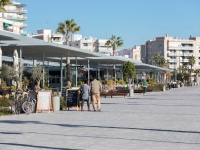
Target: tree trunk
x=67 y=39
x=114 y=67
x=18 y=85
x=38 y=85
x=68 y=73
x=68 y=64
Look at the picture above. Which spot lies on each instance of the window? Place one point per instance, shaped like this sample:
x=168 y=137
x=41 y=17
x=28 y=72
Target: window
x=87 y=44
x=76 y=44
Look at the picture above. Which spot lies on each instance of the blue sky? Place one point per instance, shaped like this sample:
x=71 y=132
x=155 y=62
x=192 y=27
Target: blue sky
x=135 y=21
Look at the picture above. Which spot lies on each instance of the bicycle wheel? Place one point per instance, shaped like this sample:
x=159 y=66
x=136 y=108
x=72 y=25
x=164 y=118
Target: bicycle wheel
x=27 y=107
x=13 y=107
x=17 y=107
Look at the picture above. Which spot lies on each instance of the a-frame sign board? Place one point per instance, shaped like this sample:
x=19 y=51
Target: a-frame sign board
x=72 y=98
x=44 y=101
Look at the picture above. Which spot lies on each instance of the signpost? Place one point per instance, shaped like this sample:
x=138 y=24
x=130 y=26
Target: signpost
x=44 y=101
x=72 y=98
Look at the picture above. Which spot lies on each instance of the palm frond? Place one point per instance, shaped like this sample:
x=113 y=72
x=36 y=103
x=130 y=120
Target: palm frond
x=61 y=28
x=2 y=9
x=5 y=2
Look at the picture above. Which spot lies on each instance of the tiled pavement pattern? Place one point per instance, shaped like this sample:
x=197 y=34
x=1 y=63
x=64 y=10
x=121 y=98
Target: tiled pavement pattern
x=156 y=121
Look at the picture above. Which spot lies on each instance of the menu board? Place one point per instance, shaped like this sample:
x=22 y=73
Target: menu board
x=64 y=93
x=44 y=101
x=72 y=98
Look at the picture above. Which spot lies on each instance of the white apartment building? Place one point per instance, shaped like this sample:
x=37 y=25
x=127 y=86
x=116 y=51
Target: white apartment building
x=48 y=36
x=12 y=20
x=133 y=53
x=91 y=44
x=176 y=51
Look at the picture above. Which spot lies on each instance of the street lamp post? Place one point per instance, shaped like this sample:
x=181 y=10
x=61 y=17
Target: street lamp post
x=175 y=75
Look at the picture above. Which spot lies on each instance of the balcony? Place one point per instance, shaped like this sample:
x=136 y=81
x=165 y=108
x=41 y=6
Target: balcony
x=23 y=32
x=172 y=60
x=181 y=47
x=18 y=11
x=184 y=60
x=179 y=54
x=8 y=29
x=15 y=18
x=23 y=25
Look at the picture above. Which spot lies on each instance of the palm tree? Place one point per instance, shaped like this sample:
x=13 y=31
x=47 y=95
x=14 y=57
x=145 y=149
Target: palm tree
x=197 y=72
x=192 y=61
x=113 y=43
x=3 y=3
x=159 y=60
x=67 y=28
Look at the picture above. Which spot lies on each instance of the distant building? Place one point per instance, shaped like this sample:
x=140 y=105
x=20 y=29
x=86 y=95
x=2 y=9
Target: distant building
x=76 y=37
x=133 y=53
x=91 y=44
x=48 y=36
x=176 y=51
x=12 y=20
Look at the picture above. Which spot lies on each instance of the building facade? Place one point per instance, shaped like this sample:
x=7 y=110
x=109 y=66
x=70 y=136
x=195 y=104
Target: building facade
x=91 y=44
x=48 y=36
x=176 y=51
x=13 y=19
x=133 y=53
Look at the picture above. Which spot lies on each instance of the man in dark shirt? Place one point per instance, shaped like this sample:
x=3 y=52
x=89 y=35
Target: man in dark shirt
x=85 y=92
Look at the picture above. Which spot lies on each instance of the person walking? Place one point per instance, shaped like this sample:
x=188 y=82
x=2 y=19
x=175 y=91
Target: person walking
x=96 y=88
x=85 y=92
x=144 y=87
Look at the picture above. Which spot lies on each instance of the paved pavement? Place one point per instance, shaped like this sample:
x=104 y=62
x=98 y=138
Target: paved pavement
x=156 y=121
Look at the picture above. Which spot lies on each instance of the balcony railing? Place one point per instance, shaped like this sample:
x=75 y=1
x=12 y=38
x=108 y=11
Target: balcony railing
x=179 y=54
x=15 y=18
x=23 y=25
x=8 y=29
x=17 y=11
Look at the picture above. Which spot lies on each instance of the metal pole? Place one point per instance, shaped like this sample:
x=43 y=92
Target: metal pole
x=88 y=71
x=48 y=73
x=122 y=73
x=43 y=69
x=107 y=72
x=76 y=71
x=33 y=57
x=61 y=73
x=20 y=77
x=0 y=61
x=98 y=69
x=115 y=75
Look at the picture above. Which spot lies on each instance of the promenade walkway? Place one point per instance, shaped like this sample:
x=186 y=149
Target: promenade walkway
x=156 y=121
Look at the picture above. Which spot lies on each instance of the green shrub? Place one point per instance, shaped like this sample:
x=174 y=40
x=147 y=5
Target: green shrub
x=12 y=88
x=47 y=88
x=62 y=103
x=4 y=112
x=157 y=87
x=121 y=82
x=79 y=83
x=5 y=102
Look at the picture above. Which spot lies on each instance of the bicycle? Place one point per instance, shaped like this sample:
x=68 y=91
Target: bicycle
x=16 y=103
x=29 y=103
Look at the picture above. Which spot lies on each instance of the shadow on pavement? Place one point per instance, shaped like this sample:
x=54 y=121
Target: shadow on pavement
x=10 y=133
x=88 y=126
x=34 y=146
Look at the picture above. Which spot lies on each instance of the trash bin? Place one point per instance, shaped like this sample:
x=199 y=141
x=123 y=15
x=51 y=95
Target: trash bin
x=164 y=88
x=56 y=103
